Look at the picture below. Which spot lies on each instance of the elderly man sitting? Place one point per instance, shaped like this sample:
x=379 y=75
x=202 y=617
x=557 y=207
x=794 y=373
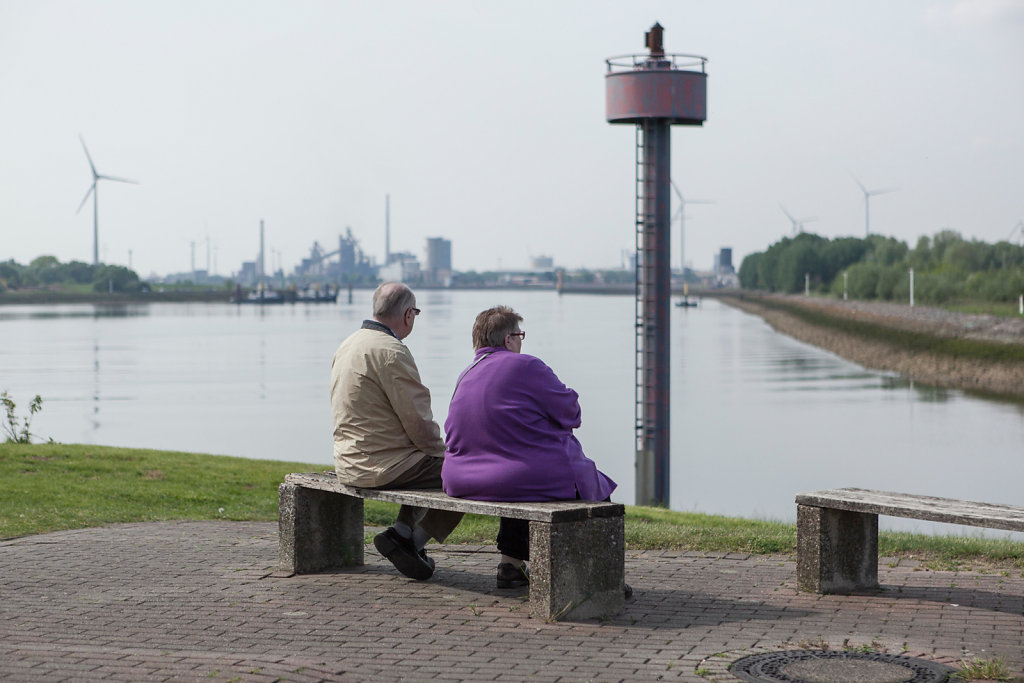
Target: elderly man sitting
x=384 y=432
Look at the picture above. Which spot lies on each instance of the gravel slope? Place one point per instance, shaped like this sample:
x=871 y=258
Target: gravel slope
x=1002 y=378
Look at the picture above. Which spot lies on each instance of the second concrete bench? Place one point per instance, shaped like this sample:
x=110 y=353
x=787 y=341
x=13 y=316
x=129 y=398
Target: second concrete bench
x=577 y=548
x=837 y=531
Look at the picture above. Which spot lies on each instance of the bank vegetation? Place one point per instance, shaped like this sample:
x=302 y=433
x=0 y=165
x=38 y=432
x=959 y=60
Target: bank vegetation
x=947 y=268
x=52 y=487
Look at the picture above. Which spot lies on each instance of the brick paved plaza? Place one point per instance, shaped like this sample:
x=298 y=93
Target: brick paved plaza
x=201 y=601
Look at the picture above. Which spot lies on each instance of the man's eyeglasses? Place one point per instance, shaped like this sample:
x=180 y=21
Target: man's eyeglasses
x=415 y=311
x=521 y=335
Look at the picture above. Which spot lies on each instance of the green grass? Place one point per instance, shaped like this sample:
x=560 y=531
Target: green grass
x=978 y=669
x=50 y=487
x=1000 y=308
x=654 y=528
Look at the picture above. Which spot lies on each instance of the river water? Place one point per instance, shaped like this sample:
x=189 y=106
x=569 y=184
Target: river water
x=757 y=417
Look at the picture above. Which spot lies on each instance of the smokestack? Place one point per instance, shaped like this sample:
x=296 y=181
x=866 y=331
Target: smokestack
x=387 y=229
x=260 y=274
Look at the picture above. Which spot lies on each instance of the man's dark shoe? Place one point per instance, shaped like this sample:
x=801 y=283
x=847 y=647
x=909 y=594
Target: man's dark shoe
x=511 y=576
x=627 y=591
x=427 y=558
x=403 y=554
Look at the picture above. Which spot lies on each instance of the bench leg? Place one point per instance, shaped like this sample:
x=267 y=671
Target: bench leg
x=836 y=550
x=318 y=530
x=577 y=568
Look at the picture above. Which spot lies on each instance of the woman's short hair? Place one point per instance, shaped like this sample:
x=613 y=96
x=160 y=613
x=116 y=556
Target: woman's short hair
x=391 y=299
x=493 y=325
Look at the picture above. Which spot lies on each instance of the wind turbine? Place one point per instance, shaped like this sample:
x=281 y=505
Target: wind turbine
x=798 y=224
x=1017 y=229
x=96 y=177
x=681 y=212
x=868 y=194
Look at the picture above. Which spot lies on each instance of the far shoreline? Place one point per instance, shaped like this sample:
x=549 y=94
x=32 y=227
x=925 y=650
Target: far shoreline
x=56 y=296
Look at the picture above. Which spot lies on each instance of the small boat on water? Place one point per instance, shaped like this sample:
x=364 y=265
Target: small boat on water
x=315 y=295
x=260 y=295
x=685 y=301
x=266 y=296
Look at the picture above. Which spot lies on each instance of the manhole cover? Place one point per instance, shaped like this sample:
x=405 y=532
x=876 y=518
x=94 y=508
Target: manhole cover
x=836 y=666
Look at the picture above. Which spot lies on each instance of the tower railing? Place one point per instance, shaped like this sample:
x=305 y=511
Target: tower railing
x=670 y=61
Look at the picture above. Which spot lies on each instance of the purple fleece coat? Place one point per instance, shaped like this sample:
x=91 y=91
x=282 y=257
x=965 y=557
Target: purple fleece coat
x=509 y=435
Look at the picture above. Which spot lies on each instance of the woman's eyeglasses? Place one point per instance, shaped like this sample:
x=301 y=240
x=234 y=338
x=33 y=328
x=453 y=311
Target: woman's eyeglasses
x=521 y=335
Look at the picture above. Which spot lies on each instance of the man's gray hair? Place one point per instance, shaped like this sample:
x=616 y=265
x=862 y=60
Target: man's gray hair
x=391 y=299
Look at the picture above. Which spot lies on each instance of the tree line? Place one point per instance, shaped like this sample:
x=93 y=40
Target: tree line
x=47 y=271
x=946 y=267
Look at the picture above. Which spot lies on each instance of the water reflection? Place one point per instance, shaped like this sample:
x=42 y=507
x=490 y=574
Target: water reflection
x=929 y=394
x=757 y=417
x=57 y=311
x=95 y=385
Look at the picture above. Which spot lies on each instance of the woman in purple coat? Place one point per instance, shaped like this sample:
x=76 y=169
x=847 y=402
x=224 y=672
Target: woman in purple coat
x=509 y=436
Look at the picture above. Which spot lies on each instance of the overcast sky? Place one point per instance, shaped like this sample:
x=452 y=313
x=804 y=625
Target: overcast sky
x=484 y=121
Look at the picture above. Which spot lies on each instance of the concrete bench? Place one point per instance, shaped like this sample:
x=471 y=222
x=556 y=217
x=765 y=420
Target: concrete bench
x=837 y=531
x=577 y=548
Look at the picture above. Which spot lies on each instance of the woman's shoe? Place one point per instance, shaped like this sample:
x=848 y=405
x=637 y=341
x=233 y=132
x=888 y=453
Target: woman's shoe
x=511 y=576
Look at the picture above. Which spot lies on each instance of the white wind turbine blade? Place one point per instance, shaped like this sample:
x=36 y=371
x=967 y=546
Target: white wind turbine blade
x=678 y=193
x=884 y=191
x=89 y=157
x=806 y=220
x=120 y=180
x=92 y=188
x=684 y=201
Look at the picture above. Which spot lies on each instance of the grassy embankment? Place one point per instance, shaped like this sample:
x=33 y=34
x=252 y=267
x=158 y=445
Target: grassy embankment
x=917 y=342
x=999 y=308
x=50 y=487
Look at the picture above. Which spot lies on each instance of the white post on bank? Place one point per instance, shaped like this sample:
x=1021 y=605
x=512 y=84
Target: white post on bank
x=844 y=285
x=1021 y=304
x=911 y=287
x=807 y=284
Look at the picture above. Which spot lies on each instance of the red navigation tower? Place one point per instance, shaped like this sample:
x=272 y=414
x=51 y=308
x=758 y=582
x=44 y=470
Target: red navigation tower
x=654 y=91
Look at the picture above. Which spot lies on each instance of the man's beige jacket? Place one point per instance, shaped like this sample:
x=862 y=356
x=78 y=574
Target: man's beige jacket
x=382 y=419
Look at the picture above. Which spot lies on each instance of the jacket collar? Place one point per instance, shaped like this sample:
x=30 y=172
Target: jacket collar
x=380 y=327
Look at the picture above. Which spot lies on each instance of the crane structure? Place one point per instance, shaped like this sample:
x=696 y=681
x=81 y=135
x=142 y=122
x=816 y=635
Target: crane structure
x=653 y=92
